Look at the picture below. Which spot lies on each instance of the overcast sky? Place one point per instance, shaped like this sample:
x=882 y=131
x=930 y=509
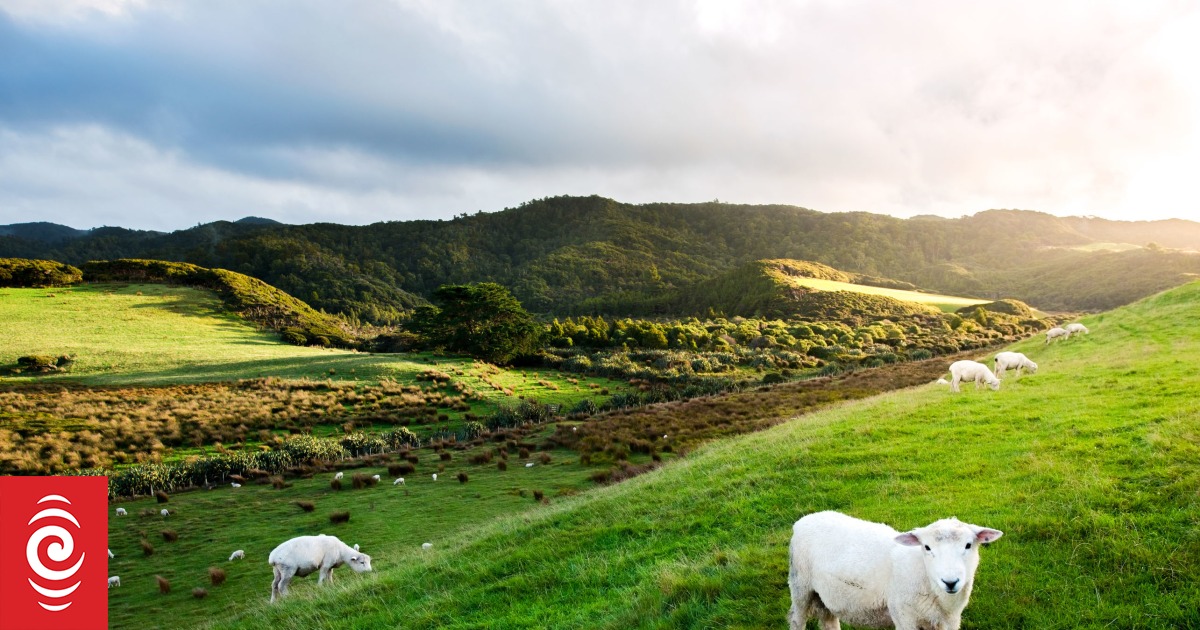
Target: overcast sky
x=161 y=114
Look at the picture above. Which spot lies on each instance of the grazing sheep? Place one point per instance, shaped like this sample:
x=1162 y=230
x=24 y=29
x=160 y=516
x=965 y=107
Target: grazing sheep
x=235 y=484
x=375 y=477
x=121 y=512
x=942 y=381
x=1077 y=328
x=164 y=512
x=338 y=476
x=303 y=555
x=427 y=546
x=868 y=574
x=114 y=580
x=240 y=554
x=529 y=465
x=435 y=476
x=398 y=481
x=110 y=554
x=1006 y=360
x=1055 y=333
x=972 y=371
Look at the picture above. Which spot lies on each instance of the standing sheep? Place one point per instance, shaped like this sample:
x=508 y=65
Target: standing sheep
x=871 y=575
x=303 y=555
x=1006 y=360
x=972 y=371
x=240 y=554
x=1055 y=333
x=1077 y=328
x=121 y=512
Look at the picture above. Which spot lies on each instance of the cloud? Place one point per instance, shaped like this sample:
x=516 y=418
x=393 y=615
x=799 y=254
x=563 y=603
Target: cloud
x=401 y=109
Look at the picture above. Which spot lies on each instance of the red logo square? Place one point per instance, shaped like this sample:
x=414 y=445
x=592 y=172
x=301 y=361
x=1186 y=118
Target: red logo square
x=53 y=553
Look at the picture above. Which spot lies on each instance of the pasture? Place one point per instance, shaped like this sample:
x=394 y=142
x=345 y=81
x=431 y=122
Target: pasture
x=946 y=303
x=1091 y=467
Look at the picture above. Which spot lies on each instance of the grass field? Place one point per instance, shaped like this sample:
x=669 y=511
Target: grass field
x=947 y=303
x=1091 y=467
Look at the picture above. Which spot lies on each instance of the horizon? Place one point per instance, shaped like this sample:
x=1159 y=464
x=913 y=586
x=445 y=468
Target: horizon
x=166 y=114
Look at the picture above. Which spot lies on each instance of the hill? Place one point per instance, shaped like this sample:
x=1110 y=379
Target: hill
x=559 y=253
x=1091 y=467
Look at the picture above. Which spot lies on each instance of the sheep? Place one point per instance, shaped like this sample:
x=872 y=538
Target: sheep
x=114 y=580
x=942 y=381
x=110 y=554
x=121 y=512
x=303 y=555
x=164 y=512
x=375 y=477
x=338 y=476
x=398 y=481
x=868 y=574
x=529 y=464
x=1077 y=328
x=1055 y=333
x=427 y=546
x=972 y=371
x=235 y=484
x=435 y=476
x=1006 y=360
x=240 y=554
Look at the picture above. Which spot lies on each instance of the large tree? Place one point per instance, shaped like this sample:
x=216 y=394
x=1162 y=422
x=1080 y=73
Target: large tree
x=483 y=320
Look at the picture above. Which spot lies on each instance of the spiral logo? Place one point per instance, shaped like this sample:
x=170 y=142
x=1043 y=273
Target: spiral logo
x=59 y=552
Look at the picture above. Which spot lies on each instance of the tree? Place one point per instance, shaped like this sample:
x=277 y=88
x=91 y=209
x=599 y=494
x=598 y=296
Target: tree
x=483 y=320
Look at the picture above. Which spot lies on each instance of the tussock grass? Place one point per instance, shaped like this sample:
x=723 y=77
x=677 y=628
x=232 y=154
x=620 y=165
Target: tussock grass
x=1091 y=467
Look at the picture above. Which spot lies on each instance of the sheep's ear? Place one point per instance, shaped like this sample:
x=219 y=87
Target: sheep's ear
x=353 y=558
x=908 y=539
x=986 y=535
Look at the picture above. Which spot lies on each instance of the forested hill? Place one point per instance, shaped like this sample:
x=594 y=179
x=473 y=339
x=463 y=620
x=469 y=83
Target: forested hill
x=567 y=254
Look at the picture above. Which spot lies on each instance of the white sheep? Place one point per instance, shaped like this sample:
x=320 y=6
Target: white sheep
x=868 y=574
x=235 y=484
x=338 y=476
x=529 y=464
x=972 y=371
x=240 y=554
x=1005 y=360
x=427 y=546
x=121 y=512
x=398 y=481
x=435 y=476
x=1056 y=332
x=375 y=477
x=114 y=580
x=303 y=555
x=1077 y=328
x=164 y=512
x=110 y=554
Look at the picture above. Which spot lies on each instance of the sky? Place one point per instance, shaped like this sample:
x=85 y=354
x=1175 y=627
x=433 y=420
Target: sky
x=162 y=114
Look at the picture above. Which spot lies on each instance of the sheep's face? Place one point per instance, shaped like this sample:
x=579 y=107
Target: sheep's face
x=994 y=384
x=950 y=551
x=360 y=562
x=1032 y=367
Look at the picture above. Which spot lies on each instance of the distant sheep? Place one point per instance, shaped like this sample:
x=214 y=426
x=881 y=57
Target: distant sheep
x=398 y=481
x=114 y=580
x=868 y=574
x=1006 y=360
x=240 y=554
x=435 y=476
x=427 y=546
x=338 y=476
x=235 y=484
x=1077 y=328
x=972 y=371
x=1056 y=332
x=121 y=512
x=164 y=512
x=375 y=477
x=110 y=554
x=303 y=555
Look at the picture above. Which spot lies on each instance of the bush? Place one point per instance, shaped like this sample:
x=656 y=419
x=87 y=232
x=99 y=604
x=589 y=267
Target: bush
x=336 y=484
x=502 y=465
x=25 y=272
x=161 y=496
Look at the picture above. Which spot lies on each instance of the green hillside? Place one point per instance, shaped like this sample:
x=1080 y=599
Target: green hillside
x=1091 y=467
x=586 y=255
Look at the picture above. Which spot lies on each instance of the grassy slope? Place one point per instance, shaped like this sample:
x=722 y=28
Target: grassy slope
x=947 y=303
x=1091 y=467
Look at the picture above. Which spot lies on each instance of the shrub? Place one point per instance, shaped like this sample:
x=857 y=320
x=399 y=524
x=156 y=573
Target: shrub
x=544 y=458
x=502 y=465
x=216 y=576
x=169 y=535
x=523 y=453
x=339 y=517
x=199 y=593
x=445 y=456
x=278 y=483
x=307 y=506
x=771 y=378
x=161 y=496
x=359 y=481
x=538 y=495
x=164 y=586
x=336 y=484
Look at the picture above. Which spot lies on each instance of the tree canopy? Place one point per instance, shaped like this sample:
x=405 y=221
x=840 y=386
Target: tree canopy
x=483 y=320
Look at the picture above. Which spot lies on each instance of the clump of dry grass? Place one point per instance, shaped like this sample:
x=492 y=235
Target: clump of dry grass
x=307 y=506
x=216 y=576
x=339 y=517
x=164 y=585
x=169 y=535
x=199 y=593
x=147 y=548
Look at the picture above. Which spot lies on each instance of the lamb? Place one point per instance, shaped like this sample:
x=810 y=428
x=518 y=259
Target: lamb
x=1006 y=360
x=338 y=476
x=121 y=512
x=1055 y=333
x=240 y=554
x=427 y=546
x=303 y=555
x=1077 y=328
x=871 y=575
x=375 y=477
x=235 y=484
x=164 y=512
x=972 y=371
x=398 y=481
x=435 y=476
x=114 y=580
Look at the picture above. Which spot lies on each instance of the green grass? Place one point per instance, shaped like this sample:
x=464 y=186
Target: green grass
x=946 y=303
x=386 y=520
x=1091 y=467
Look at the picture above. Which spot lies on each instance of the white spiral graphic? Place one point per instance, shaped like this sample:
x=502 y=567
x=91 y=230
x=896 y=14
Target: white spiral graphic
x=59 y=551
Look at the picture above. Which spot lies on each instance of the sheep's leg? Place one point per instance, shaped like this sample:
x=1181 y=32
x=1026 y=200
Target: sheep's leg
x=324 y=575
x=954 y=383
x=275 y=584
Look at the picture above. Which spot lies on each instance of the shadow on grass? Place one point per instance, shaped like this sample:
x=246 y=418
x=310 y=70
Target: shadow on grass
x=316 y=366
